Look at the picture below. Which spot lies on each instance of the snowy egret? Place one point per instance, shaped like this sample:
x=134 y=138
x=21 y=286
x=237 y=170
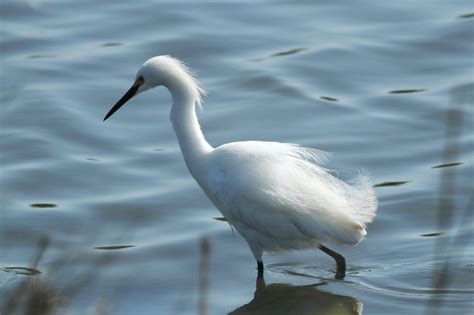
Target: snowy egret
x=276 y=195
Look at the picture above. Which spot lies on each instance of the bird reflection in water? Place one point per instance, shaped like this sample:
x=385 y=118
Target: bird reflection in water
x=281 y=298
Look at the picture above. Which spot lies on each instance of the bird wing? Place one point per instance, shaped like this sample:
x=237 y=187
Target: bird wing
x=281 y=190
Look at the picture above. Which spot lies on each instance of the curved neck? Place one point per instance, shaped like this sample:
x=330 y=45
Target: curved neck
x=187 y=129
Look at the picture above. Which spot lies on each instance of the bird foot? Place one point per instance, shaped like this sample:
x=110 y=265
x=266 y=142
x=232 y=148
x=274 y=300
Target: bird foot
x=339 y=275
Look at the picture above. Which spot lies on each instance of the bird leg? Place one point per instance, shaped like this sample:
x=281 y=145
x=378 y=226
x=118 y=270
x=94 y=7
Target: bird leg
x=340 y=261
x=260 y=269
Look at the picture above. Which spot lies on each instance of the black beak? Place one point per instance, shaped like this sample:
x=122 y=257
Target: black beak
x=130 y=93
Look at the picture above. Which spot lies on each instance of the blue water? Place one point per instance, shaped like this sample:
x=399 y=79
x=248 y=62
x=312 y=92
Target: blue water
x=385 y=86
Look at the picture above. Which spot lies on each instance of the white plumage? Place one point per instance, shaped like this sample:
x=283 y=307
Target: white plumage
x=276 y=195
x=279 y=197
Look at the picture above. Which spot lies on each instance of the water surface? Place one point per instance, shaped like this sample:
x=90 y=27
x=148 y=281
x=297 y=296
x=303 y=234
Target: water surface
x=104 y=216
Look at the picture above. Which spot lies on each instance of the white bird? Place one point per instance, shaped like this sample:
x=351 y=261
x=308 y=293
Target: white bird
x=276 y=195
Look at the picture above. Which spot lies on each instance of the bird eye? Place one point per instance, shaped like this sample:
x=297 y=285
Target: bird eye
x=140 y=78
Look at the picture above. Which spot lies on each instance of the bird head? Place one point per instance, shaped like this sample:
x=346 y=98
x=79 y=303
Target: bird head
x=161 y=71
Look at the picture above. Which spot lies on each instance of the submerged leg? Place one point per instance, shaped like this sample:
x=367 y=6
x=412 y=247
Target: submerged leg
x=340 y=261
x=259 y=285
x=260 y=269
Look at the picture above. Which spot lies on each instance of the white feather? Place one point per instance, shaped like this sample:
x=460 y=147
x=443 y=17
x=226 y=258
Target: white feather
x=279 y=195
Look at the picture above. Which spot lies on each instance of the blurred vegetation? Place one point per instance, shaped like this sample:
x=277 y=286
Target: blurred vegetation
x=450 y=215
x=39 y=293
